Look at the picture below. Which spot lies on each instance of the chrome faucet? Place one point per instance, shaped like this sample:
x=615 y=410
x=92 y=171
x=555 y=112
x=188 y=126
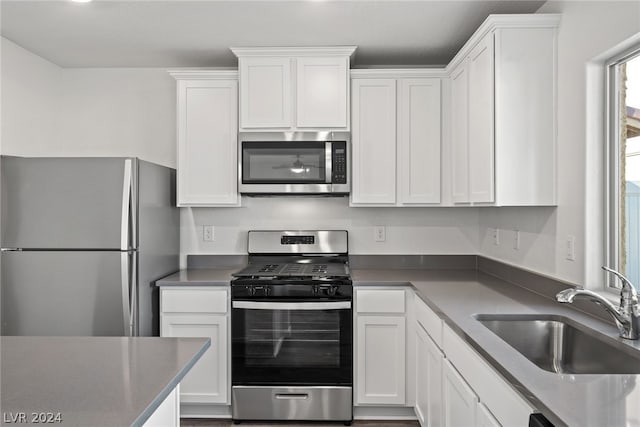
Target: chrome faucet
x=627 y=316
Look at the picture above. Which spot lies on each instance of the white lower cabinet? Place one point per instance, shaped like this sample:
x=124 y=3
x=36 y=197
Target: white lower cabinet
x=380 y=347
x=429 y=361
x=484 y=418
x=458 y=398
x=168 y=413
x=455 y=386
x=200 y=312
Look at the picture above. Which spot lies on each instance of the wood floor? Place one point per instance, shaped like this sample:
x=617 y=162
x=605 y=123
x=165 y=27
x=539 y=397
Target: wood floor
x=192 y=422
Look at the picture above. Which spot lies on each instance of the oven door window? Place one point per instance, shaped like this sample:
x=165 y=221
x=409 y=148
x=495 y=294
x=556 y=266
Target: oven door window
x=305 y=347
x=283 y=162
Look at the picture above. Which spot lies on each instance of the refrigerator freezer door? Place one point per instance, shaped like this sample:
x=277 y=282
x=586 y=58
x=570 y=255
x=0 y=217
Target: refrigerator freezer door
x=66 y=293
x=68 y=203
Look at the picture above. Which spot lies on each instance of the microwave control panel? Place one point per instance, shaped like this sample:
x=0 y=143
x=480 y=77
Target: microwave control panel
x=339 y=162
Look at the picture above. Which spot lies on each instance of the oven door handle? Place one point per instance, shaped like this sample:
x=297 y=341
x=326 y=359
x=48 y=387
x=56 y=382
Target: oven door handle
x=264 y=305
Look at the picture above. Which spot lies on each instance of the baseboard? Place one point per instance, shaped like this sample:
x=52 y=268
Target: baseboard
x=383 y=413
x=194 y=410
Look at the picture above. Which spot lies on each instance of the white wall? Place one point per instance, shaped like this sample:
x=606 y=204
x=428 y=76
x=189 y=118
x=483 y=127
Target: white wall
x=30 y=99
x=51 y=111
x=408 y=230
x=587 y=30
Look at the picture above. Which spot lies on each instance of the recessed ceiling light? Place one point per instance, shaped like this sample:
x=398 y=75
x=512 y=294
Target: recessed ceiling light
x=81 y=1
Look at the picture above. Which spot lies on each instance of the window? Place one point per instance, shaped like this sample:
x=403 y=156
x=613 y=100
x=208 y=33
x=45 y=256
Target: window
x=624 y=166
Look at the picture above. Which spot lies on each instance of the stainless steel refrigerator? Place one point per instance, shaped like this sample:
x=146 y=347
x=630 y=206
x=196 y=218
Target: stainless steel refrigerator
x=83 y=240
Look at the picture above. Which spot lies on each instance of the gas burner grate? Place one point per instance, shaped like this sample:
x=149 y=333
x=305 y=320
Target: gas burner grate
x=268 y=268
x=319 y=269
x=292 y=269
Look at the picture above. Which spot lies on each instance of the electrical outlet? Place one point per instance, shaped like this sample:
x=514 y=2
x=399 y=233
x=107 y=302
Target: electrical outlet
x=496 y=236
x=379 y=233
x=207 y=233
x=571 y=248
x=516 y=240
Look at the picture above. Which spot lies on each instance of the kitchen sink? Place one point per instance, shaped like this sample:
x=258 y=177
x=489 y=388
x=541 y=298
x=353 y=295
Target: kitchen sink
x=560 y=345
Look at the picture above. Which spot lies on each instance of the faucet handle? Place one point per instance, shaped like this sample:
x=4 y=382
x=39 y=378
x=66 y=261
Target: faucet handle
x=626 y=283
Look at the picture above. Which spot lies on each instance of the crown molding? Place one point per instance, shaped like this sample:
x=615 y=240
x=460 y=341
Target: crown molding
x=294 y=51
x=495 y=22
x=202 y=74
x=398 y=73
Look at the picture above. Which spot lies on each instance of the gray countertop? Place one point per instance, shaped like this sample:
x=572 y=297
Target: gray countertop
x=93 y=381
x=574 y=400
x=200 y=277
x=458 y=295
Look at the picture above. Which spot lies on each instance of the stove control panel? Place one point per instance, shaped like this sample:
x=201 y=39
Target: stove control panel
x=258 y=290
x=254 y=290
x=325 y=290
x=297 y=240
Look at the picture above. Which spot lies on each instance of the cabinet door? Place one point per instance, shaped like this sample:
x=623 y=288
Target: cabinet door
x=419 y=140
x=168 y=413
x=380 y=362
x=460 y=133
x=373 y=142
x=322 y=88
x=265 y=92
x=481 y=126
x=207 y=142
x=428 y=380
x=207 y=382
x=459 y=400
x=484 y=417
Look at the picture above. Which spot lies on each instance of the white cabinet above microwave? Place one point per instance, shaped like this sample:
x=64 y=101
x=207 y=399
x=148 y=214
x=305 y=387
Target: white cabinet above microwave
x=285 y=89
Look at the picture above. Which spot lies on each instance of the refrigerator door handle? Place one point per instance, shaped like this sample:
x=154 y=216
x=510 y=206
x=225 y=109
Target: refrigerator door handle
x=125 y=262
x=126 y=206
x=133 y=291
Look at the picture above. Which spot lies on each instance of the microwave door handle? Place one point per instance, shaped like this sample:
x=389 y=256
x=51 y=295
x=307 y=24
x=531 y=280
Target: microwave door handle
x=328 y=151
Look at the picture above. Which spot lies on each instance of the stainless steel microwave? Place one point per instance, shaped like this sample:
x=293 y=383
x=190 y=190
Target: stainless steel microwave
x=290 y=163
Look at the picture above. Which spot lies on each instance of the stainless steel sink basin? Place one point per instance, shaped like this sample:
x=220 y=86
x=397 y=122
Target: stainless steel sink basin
x=557 y=344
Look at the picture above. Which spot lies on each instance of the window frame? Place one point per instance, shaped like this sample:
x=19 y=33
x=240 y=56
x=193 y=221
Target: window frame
x=612 y=161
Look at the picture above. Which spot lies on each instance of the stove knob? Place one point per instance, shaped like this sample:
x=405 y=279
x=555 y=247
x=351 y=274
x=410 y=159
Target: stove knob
x=267 y=291
x=251 y=290
x=315 y=290
x=332 y=290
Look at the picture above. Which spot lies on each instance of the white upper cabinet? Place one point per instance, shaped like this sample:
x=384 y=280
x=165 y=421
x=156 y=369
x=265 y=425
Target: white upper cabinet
x=322 y=96
x=294 y=88
x=373 y=139
x=481 y=125
x=419 y=128
x=460 y=134
x=396 y=137
x=207 y=114
x=265 y=92
x=503 y=108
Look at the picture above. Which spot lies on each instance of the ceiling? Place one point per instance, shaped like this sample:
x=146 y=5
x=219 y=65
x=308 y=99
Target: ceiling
x=160 y=33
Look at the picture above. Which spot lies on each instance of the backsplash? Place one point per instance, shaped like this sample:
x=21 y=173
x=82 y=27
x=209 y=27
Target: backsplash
x=407 y=230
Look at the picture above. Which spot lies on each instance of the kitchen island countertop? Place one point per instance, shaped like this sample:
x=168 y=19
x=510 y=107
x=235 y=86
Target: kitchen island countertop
x=92 y=381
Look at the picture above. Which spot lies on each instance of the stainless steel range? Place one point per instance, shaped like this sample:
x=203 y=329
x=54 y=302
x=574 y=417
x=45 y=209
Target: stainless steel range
x=292 y=334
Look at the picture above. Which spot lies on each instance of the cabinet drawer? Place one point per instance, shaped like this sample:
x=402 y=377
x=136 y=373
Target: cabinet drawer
x=193 y=301
x=505 y=403
x=429 y=321
x=380 y=301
